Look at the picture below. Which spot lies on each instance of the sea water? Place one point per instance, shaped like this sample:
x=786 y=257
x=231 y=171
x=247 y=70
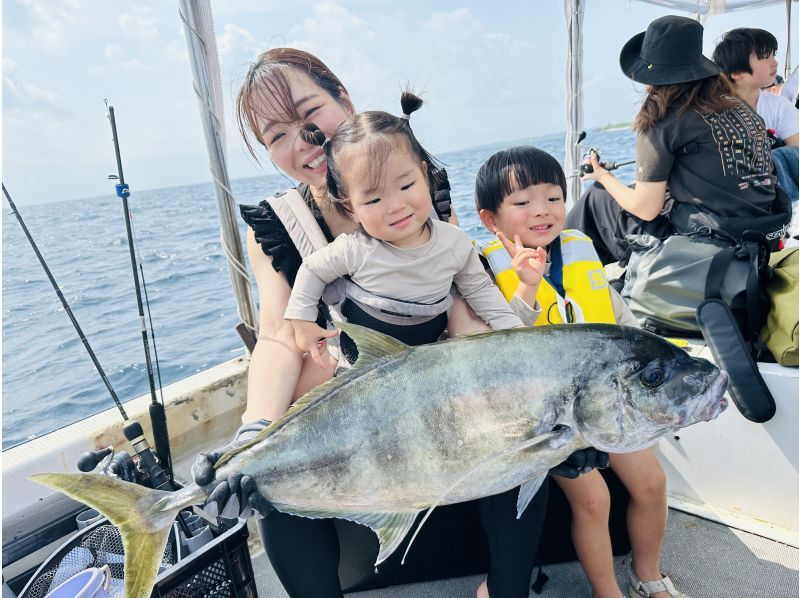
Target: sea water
x=48 y=378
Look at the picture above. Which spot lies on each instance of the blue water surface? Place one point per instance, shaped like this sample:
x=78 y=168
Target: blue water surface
x=48 y=378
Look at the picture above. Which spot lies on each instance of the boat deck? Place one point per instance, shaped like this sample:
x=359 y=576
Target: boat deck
x=703 y=558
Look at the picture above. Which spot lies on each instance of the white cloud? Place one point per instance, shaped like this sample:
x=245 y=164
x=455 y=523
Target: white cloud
x=477 y=83
x=50 y=19
x=140 y=23
x=24 y=100
x=113 y=52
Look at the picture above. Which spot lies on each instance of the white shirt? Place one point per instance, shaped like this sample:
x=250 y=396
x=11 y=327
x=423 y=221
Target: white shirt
x=778 y=114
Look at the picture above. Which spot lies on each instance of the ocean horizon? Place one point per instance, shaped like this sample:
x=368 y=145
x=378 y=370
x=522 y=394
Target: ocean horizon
x=48 y=378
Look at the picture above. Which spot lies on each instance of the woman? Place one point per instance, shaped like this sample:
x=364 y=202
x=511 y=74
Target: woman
x=283 y=91
x=702 y=157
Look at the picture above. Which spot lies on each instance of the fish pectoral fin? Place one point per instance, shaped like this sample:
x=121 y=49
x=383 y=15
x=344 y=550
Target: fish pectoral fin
x=527 y=491
x=371 y=345
x=561 y=435
x=390 y=528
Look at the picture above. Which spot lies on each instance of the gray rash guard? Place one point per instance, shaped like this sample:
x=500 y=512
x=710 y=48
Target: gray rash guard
x=422 y=274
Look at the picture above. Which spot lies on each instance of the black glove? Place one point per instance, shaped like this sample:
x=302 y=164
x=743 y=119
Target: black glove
x=582 y=461
x=123 y=467
x=237 y=496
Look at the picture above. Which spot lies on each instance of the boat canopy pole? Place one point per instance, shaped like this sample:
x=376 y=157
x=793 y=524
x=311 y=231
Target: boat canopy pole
x=787 y=63
x=573 y=14
x=199 y=30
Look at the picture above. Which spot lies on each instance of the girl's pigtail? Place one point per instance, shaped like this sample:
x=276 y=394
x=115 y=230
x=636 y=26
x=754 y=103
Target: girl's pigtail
x=310 y=133
x=409 y=103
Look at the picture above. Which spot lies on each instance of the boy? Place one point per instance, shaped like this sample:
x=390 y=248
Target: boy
x=747 y=56
x=556 y=275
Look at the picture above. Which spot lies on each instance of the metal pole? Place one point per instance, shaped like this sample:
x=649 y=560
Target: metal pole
x=198 y=27
x=573 y=14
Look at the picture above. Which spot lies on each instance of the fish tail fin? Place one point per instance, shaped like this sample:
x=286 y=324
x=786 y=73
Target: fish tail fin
x=141 y=514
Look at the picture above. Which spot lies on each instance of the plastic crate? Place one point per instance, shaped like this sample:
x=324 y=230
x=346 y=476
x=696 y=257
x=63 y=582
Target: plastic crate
x=221 y=568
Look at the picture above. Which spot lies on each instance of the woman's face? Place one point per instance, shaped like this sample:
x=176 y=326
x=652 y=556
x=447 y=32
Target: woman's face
x=300 y=160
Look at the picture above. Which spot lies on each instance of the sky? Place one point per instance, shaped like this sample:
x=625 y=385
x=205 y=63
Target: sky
x=488 y=71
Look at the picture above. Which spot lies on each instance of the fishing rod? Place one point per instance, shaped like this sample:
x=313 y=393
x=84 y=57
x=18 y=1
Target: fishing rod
x=586 y=168
x=66 y=305
x=158 y=416
x=89 y=460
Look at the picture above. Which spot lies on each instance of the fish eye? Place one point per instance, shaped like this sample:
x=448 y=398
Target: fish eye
x=652 y=377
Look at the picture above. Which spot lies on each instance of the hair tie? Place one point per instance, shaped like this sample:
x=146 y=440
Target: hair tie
x=406 y=117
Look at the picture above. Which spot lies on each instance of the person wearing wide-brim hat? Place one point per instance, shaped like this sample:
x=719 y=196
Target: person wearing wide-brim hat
x=695 y=139
x=710 y=150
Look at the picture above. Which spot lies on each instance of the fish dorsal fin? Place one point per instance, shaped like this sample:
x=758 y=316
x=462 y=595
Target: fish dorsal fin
x=371 y=345
x=535 y=442
x=390 y=527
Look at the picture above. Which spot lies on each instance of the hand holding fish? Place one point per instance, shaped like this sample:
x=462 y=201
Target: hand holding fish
x=310 y=338
x=237 y=495
x=579 y=462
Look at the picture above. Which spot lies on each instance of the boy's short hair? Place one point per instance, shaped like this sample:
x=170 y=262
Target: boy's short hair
x=512 y=170
x=732 y=53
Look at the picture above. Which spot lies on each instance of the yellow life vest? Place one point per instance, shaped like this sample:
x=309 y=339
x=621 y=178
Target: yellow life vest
x=586 y=296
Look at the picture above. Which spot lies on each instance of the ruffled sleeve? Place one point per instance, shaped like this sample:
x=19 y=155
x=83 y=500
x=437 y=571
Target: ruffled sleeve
x=271 y=234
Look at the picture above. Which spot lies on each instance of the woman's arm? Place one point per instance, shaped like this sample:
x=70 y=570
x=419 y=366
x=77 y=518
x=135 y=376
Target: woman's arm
x=278 y=374
x=645 y=201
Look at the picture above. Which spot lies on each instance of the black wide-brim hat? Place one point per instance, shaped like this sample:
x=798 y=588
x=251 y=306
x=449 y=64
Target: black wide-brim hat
x=669 y=52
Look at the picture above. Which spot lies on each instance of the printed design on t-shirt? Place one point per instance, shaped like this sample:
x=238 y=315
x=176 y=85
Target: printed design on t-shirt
x=742 y=144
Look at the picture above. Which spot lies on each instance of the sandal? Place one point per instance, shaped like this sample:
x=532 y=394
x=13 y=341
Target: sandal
x=645 y=589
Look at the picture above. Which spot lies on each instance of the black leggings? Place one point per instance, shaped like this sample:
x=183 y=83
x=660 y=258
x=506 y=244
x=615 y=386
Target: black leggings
x=305 y=552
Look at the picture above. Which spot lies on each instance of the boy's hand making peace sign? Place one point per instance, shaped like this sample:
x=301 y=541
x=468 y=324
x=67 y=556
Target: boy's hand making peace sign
x=527 y=263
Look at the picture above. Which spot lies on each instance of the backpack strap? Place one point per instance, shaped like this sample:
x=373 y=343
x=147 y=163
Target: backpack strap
x=299 y=220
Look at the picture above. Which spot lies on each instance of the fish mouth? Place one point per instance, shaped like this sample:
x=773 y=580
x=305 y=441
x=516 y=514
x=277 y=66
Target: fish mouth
x=712 y=409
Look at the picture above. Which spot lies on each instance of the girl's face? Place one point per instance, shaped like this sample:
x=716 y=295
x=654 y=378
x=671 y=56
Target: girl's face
x=300 y=160
x=395 y=209
x=535 y=213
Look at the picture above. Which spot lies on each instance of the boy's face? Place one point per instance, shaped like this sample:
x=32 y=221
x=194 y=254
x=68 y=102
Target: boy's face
x=763 y=72
x=535 y=213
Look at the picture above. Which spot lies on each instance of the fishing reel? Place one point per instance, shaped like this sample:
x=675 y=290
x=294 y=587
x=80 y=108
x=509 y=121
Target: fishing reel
x=586 y=167
x=115 y=464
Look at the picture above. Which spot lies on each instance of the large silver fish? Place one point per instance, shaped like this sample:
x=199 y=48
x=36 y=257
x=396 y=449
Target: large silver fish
x=412 y=427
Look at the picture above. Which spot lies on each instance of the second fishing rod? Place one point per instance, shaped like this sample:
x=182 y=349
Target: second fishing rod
x=158 y=416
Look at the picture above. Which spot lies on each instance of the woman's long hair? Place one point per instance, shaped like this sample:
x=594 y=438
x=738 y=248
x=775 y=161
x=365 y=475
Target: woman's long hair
x=711 y=94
